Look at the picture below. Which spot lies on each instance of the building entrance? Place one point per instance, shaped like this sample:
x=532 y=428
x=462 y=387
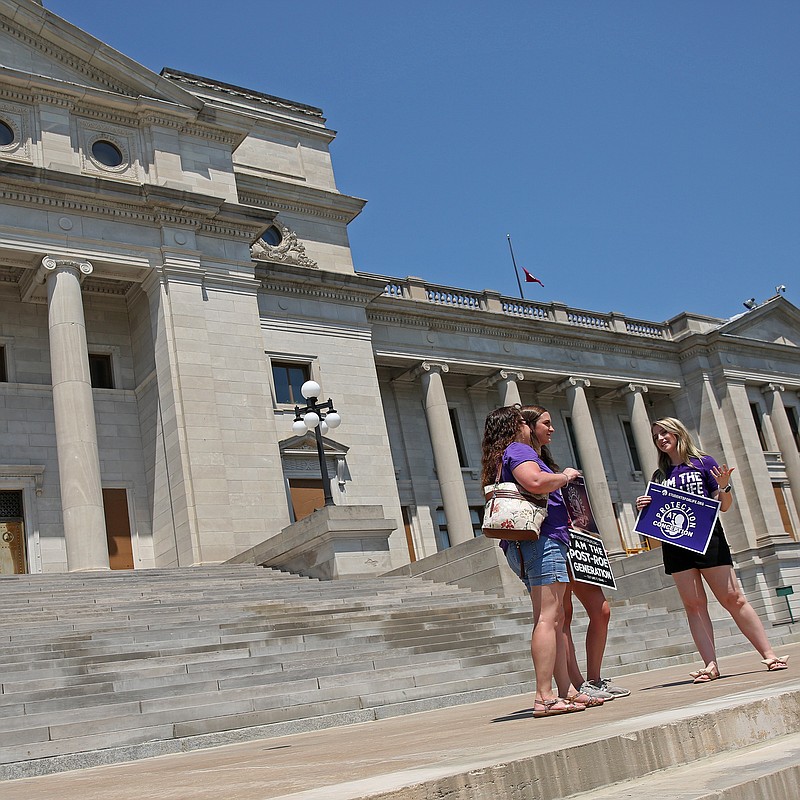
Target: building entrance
x=13 y=558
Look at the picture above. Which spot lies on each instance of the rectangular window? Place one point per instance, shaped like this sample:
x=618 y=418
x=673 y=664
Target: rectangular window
x=791 y=413
x=462 y=456
x=573 y=442
x=100 y=371
x=3 y=371
x=756 y=412
x=632 y=450
x=476 y=515
x=442 y=536
x=288 y=377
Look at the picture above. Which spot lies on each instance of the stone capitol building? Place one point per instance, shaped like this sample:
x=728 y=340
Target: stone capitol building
x=174 y=264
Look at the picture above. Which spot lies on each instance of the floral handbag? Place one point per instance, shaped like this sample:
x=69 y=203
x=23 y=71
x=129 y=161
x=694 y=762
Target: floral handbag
x=511 y=513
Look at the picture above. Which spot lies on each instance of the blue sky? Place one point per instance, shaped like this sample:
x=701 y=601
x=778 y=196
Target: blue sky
x=643 y=155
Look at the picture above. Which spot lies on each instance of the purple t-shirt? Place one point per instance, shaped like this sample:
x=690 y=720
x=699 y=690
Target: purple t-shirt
x=695 y=478
x=556 y=524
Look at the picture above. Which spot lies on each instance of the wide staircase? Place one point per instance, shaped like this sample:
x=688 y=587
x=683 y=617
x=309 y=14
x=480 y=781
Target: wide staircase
x=101 y=668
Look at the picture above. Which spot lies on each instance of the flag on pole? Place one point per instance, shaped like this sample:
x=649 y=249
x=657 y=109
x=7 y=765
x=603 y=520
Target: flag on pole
x=530 y=279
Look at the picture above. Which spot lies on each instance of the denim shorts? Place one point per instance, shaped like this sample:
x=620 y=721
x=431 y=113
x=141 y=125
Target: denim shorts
x=543 y=561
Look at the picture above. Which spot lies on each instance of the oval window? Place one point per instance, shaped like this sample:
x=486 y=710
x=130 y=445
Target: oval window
x=106 y=153
x=6 y=134
x=272 y=236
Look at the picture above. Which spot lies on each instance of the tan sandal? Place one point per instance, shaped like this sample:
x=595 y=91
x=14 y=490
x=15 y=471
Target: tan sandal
x=585 y=700
x=709 y=673
x=774 y=664
x=546 y=708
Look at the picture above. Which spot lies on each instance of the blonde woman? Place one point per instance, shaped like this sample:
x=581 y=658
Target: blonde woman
x=683 y=465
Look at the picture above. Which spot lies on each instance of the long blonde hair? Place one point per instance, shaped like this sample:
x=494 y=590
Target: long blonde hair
x=687 y=449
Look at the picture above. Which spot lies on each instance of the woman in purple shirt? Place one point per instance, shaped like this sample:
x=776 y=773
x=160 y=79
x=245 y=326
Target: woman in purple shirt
x=515 y=449
x=683 y=465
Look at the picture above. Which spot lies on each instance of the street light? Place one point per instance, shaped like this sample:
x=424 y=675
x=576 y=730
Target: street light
x=319 y=417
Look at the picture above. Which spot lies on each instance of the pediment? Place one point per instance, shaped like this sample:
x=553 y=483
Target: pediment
x=35 y=42
x=307 y=445
x=776 y=321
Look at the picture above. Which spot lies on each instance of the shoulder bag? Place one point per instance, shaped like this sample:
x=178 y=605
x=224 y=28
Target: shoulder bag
x=512 y=513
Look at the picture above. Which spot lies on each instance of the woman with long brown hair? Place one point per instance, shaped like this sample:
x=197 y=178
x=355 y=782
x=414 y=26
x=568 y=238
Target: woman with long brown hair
x=683 y=465
x=510 y=454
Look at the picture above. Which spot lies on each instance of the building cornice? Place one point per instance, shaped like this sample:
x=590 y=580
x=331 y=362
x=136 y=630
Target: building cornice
x=294 y=198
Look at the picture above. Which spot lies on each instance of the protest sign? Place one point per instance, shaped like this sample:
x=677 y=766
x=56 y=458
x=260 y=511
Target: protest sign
x=588 y=560
x=680 y=518
x=576 y=499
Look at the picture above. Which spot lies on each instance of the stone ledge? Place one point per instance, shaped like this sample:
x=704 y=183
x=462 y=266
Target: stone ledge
x=332 y=543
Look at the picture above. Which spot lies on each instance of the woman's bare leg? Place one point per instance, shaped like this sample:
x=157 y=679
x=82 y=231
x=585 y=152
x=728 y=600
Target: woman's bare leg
x=591 y=597
x=722 y=582
x=547 y=637
x=695 y=602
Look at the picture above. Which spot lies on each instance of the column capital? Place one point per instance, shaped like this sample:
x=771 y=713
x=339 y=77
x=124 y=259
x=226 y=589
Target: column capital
x=423 y=368
x=574 y=382
x=771 y=388
x=624 y=391
x=50 y=265
x=504 y=375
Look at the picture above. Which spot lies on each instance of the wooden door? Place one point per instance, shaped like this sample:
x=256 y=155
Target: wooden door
x=307 y=496
x=118 y=528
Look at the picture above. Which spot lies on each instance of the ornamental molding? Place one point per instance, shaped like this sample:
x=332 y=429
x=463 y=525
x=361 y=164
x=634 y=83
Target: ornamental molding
x=305 y=209
x=576 y=343
x=290 y=250
x=117 y=210
x=314 y=291
x=56 y=53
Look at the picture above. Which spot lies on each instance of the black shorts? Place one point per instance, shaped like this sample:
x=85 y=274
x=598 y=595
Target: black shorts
x=718 y=554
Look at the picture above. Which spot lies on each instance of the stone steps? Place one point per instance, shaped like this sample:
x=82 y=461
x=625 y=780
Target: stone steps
x=97 y=667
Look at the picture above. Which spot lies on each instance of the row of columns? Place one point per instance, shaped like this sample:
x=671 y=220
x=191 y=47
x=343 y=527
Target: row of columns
x=73 y=410
x=448 y=468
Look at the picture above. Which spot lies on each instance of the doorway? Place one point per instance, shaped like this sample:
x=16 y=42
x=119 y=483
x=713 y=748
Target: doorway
x=307 y=496
x=118 y=528
x=13 y=556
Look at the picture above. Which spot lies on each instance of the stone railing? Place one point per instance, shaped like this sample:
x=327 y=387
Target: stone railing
x=419 y=290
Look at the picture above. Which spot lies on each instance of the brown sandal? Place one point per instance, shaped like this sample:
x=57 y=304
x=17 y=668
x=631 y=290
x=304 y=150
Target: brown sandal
x=774 y=664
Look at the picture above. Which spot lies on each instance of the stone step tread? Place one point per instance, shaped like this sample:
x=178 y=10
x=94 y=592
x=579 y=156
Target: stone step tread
x=212 y=658
x=95 y=650
x=261 y=696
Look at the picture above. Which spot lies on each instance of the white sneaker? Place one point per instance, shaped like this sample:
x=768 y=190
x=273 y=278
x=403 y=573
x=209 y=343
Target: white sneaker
x=593 y=690
x=607 y=686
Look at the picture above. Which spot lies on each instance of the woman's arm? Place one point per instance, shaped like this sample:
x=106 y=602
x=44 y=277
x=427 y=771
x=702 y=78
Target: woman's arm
x=535 y=480
x=722 y=475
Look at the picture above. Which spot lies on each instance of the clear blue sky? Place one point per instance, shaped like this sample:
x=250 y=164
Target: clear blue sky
x=644 y=156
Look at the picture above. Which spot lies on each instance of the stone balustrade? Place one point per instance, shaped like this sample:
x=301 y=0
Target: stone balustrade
x=421 y=291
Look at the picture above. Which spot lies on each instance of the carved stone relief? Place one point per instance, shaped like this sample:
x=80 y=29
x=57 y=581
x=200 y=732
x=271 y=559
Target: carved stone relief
x=290 y=250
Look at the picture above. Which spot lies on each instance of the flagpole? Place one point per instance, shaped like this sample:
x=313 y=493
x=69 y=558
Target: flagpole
x=514 y=262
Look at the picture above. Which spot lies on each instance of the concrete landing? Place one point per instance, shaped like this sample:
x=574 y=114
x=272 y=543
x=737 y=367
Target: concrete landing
x=743 y=727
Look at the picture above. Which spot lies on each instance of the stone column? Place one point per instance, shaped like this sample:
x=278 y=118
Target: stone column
x=508 y=391
x=594 y=473
x=445 y=455
x=641 y=427
x=752 y=484
x=73 y=409
x=785 y=437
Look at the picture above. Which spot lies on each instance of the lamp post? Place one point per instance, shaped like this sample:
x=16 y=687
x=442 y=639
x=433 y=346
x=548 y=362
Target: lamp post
x=318 y=417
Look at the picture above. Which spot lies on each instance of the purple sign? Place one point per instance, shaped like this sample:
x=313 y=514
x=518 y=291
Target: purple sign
x=680 y=518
